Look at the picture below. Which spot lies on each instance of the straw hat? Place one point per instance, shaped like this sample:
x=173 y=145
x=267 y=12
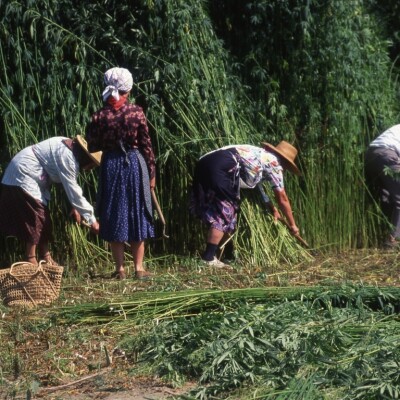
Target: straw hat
x=287 y=151
x=95 y=157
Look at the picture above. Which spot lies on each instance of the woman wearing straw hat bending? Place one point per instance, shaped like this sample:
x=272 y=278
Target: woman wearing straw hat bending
x=218 y=178
x=25 y=191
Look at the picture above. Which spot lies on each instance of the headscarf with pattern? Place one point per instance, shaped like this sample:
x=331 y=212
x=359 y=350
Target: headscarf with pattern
x=117 y=79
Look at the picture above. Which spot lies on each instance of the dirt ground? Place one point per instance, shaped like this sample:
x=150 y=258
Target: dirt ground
x=115 y=381
x=109 y=385
x=112 y=382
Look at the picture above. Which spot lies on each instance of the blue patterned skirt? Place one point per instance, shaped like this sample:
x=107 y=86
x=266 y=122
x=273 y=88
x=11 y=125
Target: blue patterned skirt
x=123 y=199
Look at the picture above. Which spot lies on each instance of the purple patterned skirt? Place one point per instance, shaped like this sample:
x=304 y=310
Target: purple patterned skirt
x=215 y=192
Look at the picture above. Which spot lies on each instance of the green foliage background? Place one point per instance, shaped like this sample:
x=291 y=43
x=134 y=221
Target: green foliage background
x=321 y=74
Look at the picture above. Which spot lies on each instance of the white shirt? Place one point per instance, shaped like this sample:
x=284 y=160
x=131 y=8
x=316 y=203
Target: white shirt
x=389 y=139
x=36 y=167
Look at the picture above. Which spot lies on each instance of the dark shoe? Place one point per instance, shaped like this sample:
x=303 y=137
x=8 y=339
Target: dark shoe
x=120 y=275
x=143 y=275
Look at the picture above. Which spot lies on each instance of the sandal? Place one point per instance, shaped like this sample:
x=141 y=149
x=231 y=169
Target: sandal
x=49 y=260
x=120 y=275
x=143 y=275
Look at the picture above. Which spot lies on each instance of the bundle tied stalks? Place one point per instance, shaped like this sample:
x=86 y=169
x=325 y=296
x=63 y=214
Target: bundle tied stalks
x=146 y=307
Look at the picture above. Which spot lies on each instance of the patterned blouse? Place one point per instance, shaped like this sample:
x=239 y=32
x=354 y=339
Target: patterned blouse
x=127 y=124
x=257 y=164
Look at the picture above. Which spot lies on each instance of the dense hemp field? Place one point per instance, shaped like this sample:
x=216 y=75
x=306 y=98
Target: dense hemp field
x=287 y=322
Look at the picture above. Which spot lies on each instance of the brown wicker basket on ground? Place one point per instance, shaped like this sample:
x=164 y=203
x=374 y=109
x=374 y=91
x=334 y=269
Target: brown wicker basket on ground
x=26 y=284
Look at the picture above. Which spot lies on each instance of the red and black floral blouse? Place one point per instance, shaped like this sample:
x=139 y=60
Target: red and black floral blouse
x=127 y=124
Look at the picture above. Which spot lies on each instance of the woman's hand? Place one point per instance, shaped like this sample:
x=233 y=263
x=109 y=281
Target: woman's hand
x=275 y=213
x=76 y=216
x=285 y=207
x=153 y=183
x=294 y=230
x=95 y=227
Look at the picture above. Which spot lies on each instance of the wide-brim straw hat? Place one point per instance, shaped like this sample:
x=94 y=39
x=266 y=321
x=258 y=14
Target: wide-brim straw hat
x=95 y=157
x=286 y=151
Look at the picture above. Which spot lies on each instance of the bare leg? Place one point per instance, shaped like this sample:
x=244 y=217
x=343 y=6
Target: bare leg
x=30 y=253
x=44 y=253
x=117 y=250
x=214 y=236
x=138 y=255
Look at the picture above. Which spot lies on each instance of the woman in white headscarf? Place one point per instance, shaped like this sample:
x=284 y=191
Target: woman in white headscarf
x=127 y=171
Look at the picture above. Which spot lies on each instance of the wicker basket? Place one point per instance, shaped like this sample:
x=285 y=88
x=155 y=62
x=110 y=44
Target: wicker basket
x=26 y=284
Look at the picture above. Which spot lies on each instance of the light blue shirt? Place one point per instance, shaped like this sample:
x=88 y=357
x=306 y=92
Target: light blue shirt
x=37 y=167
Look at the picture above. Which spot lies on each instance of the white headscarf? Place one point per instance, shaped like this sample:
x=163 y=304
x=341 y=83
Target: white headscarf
x=117 y=79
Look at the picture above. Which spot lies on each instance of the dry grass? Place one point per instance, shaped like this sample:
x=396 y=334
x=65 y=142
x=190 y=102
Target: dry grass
x=35 y=350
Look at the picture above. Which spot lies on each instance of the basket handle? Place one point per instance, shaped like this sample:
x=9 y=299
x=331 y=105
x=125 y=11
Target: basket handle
x=40 y=268
x=19 y=263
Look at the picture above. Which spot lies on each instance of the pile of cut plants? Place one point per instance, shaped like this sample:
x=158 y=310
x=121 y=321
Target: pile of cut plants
x=325 y=329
